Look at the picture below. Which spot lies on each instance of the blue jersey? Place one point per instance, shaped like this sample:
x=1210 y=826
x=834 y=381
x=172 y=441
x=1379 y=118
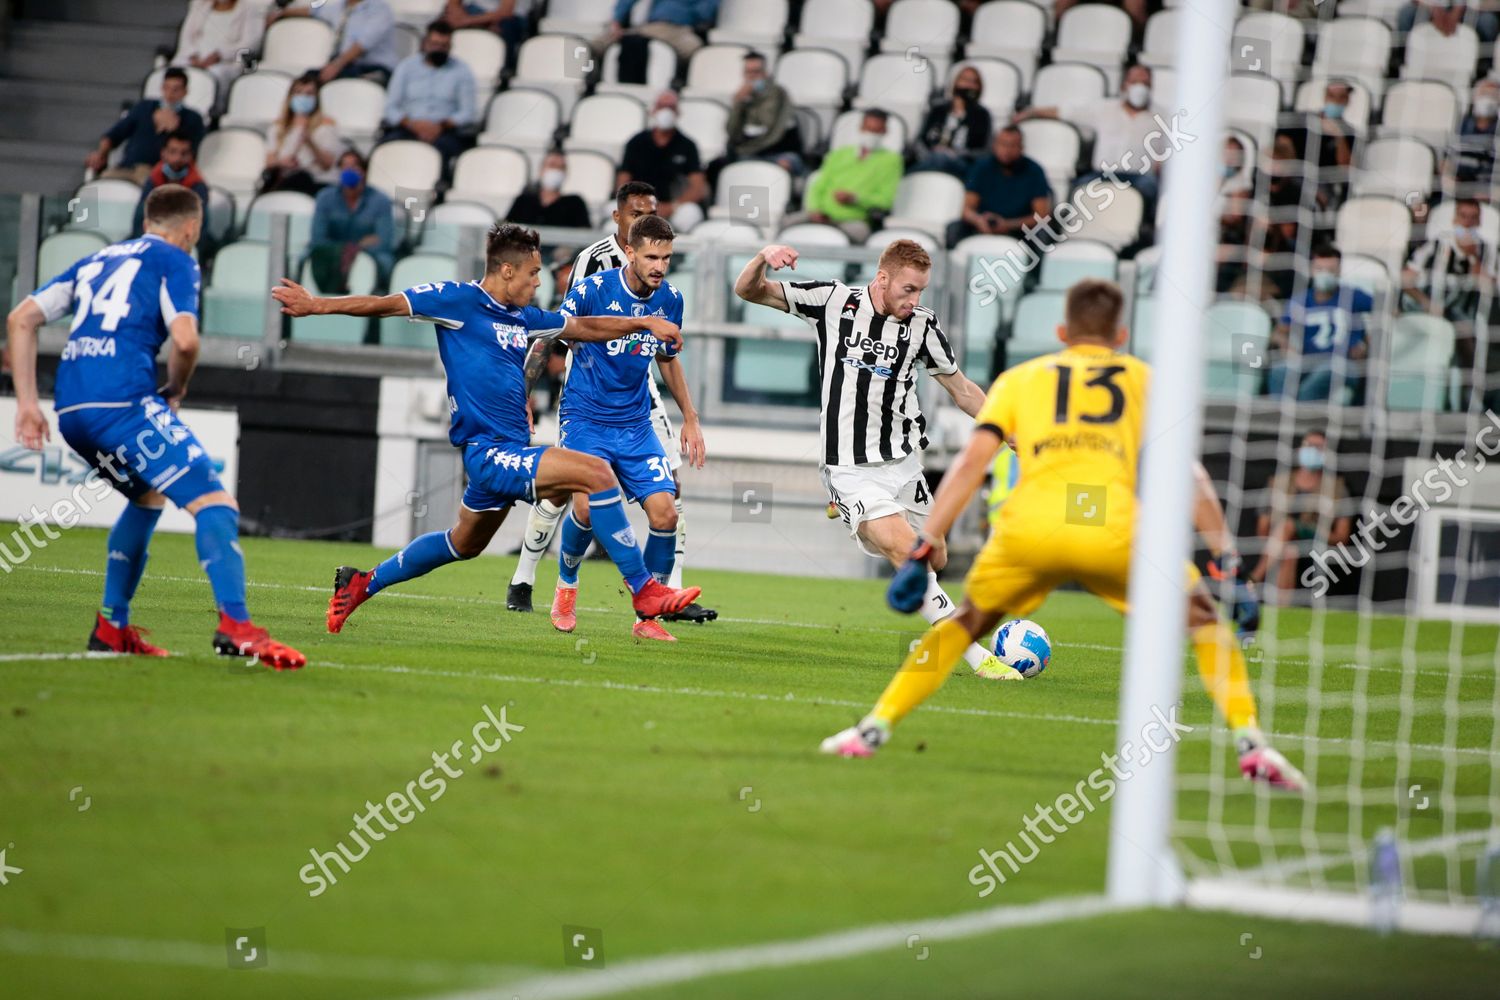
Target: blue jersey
x=607 y=383
x=1328 y=327
x=123 y=299
x=483 y=346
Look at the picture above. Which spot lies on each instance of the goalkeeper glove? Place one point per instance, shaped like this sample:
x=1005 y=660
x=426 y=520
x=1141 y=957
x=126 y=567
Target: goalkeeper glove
x=909 y=586
x=1244 y=603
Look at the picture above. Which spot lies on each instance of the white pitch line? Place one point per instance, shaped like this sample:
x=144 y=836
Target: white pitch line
x=16 y=657
x=665 y=970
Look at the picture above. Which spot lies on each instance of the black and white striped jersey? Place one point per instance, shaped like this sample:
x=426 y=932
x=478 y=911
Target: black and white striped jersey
x=867 y=365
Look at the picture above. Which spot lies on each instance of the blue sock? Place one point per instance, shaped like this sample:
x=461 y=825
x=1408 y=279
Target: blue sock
x=571 y=550
x=607 y=511
x=128 y=540
x=218 y=537
x=421 y=557
x=661 y=554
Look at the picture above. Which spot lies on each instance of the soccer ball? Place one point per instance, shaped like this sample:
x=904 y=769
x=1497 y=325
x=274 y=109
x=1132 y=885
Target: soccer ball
x=1022 y=644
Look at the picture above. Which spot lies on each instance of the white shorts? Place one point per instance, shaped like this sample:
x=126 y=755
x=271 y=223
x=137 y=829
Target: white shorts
x=866 y=492
x=665 y=432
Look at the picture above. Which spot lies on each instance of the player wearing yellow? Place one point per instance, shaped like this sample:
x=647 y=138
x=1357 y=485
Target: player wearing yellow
x=1076 y=420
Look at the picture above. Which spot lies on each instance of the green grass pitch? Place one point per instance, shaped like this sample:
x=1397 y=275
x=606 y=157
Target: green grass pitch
x=668 y=797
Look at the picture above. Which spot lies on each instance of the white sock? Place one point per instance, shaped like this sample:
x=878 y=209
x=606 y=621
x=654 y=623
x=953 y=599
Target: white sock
x=540 y=527
x=936 y=606
x=675 y=582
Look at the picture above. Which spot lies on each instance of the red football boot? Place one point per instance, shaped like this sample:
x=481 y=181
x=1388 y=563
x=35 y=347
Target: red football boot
x=564 y=605
x=655 y=599
x=248 y=639
x=348 y=593
x=108 y=637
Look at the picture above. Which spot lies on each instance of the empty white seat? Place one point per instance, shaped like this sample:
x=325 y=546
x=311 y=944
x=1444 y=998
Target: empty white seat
x=1159 y=44
x=928 y=26
x=202 y=88
x=899 y=85
x=1310 y=98
x=298 y=207
x=1034 y=330
x=1072 y=260
x=62 y=249
x=358 y=107
x=1384 y=10
x=484 y=53
x=818 y=77
x=416 y=13
x=233 y=159
x=584 y=18
x=884 y=237
x=1013 y=30
x=558 y=64
x=842 y=26
x=1001 y=85
x=1052 y=144
x=846 y=129
x=1396 y=167
x=524 y=118
x=992 y=271
x=1061 y=84
x=404 y=169
x=1114 y=222
x=417 y=269
x=661 y=67
x=591 y=176
x=236 y=295
x=1253 y=102
x=928 y=200
x=1430 y=55
x=1369 y=275
x=716 y=71
x=705 y=122
x=808 y=234
x=1421 y=348
x=1422 y=109
x=1375 y=225
x=728 y=232
x=491 y=176
x=256 y=100
x=295 y=45
x=750 y=188
x=1234 y=331
x=603 y=123
x=363 y=273
x=1276 y=41
x=1094 y=34
x=442 y=229
x=220 y=216
x=1353 y=46
x=759 y=24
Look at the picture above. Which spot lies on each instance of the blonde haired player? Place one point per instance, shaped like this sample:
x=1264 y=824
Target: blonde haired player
x=1076 y=419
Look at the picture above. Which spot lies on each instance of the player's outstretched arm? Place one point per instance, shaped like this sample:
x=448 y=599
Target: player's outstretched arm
x=298 y=301
x=21 y=327
x=968 y=396
x=592 y=329
x=692 y=432
x=752 y=284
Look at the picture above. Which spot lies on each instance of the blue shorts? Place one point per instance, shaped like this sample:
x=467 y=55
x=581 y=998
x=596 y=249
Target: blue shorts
x=500 y=473
x=635 y=453
x=141 y=446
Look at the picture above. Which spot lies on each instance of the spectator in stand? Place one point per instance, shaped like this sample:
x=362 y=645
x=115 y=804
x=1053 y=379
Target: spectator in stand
x=1446 y=16
x=432 y=96
x=1124 y=128
x=365 y=44
x=144 y=130
x=856 y=185
x=305 y=145
x=510 y=18
x=1471 y=156
x=176 y=167
x=543 y=203
x=214 y=35
x=1006 y=191
x=1321 y=336
x=957 y=128
x=667 y=160
x=1302 y=501
x=762 y=122
x=1448 y=276
x=1234 y=206
x=349 y=218
x=675 y=22
x=1326 y=145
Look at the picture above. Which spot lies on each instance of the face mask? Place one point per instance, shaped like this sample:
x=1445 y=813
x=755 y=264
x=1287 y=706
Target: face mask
x=664 y=119
x=552 y=178
x=173 y=173
x=1310 y=457
x=759 y=85
x=303 y=104
x=1466 y=234
x=1324 y=281
x=1485 y=107
x=171 y=105
x=871 y=140
x=967 y=94
x=1137 y=95
x=1333 y=112
x=1229 y=170
x=351 y=178
x=437 y=59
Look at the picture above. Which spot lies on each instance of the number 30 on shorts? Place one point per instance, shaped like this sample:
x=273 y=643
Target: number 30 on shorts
x=662 y=469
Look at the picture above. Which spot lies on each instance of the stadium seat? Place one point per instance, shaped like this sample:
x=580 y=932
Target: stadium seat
x=235 y=296
x=991 y=272
x=557 y=64
x=1159 y=45
x=294 y=204
x=1034 y=331
x=1116 y=222
x=1400 y=168
x=922 y=27
x=256 y=100
x=357 y=106
x=759 y=24
x=1369 y=275
x=1421 y=348
x=222 y=216
x=1146 y=264
x=202 y=92
x=233 y=159
x=417 y=269
x=753 y=175
x=1355 y=47
x=1253 y=102
x=603 y=123
x=1375 y=225
x=525 y=119
x=1055 y=145
x=728 y=232
x=1002 y=85
x=584 y=18
x=716 y=72
x=363 y=274
x=1357 y=114
x=929 y=201
x=841 y=26
x=1236 y=332
x=416 y=13
x=809 y=234
x=1097 y=35
x=1420 y=109
x=818 y=77
x=1142 y=325
x=1450 y=59
x=405 y=168
x=879 y=239
x=900 y=85
x=591 y=176
x=846 y=128
x=661 y=68
x=771 y=366
x=1060 y=84
x=295 y=45
x=408 y=41
x=59 y=251
x=1383 y=10
x=1072 y=260
x=491 y=176
x=444 y=223
x=1013 y=30
x=484 y=53
x=1277 y=42
x=705 y=122
x=1440 y=219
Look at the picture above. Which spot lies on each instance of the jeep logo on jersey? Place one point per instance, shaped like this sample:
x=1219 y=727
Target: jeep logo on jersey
x=510 y=335
x=857 y=343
